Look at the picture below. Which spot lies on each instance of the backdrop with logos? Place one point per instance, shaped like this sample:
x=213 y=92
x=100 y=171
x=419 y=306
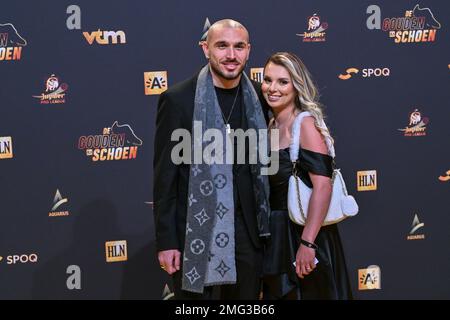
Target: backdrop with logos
x=79 y=85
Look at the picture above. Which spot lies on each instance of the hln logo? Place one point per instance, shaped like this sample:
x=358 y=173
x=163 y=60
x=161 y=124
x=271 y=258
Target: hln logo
x=155 y=82
x=116 y=251
x=6 y=150
x=369 y=278
x=367 y=180
x=257 y=74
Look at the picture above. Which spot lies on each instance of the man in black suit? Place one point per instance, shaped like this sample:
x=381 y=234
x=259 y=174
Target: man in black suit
x=227 y=49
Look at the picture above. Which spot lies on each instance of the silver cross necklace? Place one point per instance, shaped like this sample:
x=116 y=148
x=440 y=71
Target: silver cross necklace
x=226 y=120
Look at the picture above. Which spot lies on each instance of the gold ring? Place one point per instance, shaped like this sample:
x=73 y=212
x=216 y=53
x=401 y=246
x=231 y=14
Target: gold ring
x=162 y=267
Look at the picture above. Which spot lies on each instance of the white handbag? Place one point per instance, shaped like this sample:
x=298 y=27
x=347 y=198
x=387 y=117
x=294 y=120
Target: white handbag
x=342 y=205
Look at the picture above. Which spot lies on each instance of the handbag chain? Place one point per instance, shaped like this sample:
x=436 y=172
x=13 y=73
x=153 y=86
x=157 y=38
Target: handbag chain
x=294 y=173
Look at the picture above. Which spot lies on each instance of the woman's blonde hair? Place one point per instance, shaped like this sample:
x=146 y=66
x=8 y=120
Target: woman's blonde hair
x=307 y=94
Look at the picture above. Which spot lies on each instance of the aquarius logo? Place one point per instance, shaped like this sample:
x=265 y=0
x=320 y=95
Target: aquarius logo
x=206 y=27
x=11 y=42
x=155 y=82
x=167 y=294
x=416 y=225
x=57 y=202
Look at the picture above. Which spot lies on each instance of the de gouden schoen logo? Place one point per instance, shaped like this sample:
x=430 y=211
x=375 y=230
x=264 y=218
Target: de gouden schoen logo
x=116 y=251
x=416 y=225
x=155 y=82
x=417 y=25
x=6 y=148
x=417 y=125
x=118 y=142
x=369 y=278
x=54 y=93
x=11 y=42
x=58 y=201
x=315 y=31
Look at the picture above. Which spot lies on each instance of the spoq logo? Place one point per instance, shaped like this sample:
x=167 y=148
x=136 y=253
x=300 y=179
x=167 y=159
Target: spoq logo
x=23 y=258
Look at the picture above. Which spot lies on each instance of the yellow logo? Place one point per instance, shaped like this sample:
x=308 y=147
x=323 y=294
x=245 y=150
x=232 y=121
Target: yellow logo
x=1 y=258
x=366 y=180
x=6 y=151
x=116 y=251
x=442 y=178
x=369 y=278
x=257 y=74
x=348 y=74
x=155 y=82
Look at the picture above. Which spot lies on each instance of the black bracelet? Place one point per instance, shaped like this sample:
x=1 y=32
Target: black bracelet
x=309 y=244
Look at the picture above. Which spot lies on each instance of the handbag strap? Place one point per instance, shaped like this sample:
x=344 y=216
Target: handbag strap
x=294 y=147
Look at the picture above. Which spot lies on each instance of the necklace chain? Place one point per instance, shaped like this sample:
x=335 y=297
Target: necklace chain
x=226 y=120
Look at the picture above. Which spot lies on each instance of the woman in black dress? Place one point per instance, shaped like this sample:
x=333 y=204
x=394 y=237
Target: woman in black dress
x=301 y=262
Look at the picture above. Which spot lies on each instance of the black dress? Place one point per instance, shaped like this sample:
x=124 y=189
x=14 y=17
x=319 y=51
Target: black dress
x=329 y=280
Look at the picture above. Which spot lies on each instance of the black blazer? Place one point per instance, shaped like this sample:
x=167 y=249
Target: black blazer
x=171 y=182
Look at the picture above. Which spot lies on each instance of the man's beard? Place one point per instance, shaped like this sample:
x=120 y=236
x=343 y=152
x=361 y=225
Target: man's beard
x=221 y=74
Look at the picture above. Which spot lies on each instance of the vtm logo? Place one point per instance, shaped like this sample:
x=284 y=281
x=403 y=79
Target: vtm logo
x=105 y=37
x=22 y=258
x=11 y=42
x=73 y=22
x=366 y=73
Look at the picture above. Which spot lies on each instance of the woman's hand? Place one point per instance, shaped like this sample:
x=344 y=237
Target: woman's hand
x=304 y=261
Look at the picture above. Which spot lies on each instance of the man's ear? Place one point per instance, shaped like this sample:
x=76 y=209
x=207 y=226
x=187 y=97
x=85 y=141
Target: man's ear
x=205 y=49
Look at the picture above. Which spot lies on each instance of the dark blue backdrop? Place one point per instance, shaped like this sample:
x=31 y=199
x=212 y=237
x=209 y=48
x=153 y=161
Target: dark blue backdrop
x=111 y=200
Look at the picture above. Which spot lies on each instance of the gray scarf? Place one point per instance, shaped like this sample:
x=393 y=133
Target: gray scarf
x=209 y=249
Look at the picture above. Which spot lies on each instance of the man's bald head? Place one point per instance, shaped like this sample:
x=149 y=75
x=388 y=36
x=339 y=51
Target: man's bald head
x=224 y=24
